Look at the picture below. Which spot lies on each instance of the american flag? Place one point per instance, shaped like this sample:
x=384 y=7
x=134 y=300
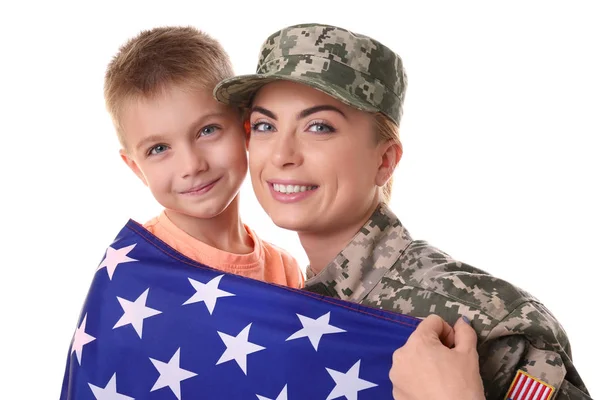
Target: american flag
x=525 y=387
x=157 y=325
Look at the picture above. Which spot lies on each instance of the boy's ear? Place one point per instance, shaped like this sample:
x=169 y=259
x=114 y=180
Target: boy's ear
x=391 y=153
x=132 y=165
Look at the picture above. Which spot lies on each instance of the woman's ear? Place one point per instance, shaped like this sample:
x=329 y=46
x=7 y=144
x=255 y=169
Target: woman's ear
x=391 y=153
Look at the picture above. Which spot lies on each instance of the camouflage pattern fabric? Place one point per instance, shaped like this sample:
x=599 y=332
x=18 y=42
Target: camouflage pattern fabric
x=353 y=68
x=383 y=267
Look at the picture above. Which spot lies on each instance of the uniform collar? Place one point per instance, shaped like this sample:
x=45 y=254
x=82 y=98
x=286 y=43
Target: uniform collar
x=365 y=260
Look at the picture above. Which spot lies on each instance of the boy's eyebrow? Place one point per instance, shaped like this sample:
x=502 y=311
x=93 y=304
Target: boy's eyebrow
x=148 y=140
x=193 y=127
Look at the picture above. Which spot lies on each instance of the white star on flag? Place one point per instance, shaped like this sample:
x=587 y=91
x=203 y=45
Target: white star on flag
x=314 y=329
x=282 y=395
x=238 y=348
x=109 y=392
x=115 y=257
x=171 y=375
x=208 y=293
x=134 y=312
x=81 y=339
x=348 y=384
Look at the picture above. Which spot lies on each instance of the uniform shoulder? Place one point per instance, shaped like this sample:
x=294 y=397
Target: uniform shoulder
x=426 y=267
x=535 y=322
x=510 y=309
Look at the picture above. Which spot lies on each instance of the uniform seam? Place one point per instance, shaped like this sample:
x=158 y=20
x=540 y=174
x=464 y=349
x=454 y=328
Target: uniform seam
x=400 y=253
x=504 y=319
x=512 y=306
x=555 y=346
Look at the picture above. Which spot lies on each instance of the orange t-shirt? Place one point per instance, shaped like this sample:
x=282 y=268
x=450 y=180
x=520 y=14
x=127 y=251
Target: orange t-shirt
x=267 y=262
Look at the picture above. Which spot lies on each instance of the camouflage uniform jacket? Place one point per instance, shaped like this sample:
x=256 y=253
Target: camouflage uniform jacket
x=383 y=267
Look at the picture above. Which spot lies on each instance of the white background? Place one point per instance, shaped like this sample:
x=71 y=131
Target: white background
x=500 y=137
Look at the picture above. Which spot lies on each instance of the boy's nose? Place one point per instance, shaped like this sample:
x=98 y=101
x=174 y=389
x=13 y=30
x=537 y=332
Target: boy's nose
x=192 y=163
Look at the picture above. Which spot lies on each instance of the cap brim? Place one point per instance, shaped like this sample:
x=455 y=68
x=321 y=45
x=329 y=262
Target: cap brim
x=240 y=90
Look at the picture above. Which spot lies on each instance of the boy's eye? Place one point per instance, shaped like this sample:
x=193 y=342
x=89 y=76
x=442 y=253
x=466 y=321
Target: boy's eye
x=263 y=127
x=208 y=130
x=319 y=127
x=157 y=149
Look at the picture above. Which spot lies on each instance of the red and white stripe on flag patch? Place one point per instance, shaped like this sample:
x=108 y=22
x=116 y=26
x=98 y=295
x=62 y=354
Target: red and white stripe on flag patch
x=526 y=387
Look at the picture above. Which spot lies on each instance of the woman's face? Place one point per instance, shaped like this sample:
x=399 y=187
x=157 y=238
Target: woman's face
x=315 y=162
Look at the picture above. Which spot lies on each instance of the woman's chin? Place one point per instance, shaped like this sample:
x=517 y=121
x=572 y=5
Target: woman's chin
x=292 y=222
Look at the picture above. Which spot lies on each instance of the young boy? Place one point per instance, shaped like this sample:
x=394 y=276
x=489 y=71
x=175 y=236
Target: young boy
x=190 y=150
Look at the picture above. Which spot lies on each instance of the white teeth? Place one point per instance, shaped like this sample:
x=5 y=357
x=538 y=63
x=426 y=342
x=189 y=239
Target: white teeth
x=289 y=189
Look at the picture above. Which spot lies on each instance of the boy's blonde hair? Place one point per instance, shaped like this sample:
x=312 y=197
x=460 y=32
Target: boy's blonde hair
x=155 y=59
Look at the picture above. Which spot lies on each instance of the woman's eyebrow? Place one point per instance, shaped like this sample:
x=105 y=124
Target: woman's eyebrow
x=302 y=114
x=263 y=111
x=324 y=107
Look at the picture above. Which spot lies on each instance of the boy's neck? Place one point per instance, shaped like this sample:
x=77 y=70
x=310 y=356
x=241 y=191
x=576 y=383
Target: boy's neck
x=225 y=231
x=322 y=247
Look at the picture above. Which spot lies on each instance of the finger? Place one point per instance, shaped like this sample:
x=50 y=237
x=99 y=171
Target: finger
x=465 y=336
x=436 y=328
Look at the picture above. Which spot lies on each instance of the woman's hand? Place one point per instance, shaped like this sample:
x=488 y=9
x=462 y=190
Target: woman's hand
x=438 y=362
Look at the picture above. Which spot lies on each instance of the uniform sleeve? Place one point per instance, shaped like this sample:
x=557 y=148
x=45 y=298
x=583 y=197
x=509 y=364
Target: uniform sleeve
x=528 y=351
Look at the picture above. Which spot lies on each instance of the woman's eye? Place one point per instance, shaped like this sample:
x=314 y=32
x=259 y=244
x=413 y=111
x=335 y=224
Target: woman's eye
x=320 y=128
x=262 y=127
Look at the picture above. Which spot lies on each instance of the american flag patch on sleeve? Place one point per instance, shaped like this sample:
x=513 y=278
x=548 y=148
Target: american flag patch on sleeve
x=526 y=387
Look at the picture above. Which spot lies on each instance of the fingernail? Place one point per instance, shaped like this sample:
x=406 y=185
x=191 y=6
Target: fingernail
x=466 y=320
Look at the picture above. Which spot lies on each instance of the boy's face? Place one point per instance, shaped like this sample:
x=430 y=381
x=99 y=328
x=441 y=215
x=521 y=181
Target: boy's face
x=189 y=149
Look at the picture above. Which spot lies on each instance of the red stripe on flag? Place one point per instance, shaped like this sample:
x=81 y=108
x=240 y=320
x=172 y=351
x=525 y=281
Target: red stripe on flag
x=532 y=390
x=538 y=393
x=517 y=383
x=547 y=393
x=524 y=388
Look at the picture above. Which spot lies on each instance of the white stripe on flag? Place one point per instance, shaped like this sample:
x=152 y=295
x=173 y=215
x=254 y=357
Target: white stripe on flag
x=532 y=388
x=528 y=381
x=546 y=392
x=537 y=393
x=517 y=387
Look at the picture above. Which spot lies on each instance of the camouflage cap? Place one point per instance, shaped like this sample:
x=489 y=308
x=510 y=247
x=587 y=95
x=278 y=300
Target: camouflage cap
x=352 y=68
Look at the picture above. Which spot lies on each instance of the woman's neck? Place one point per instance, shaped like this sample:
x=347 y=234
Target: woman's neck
x=322 y=247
